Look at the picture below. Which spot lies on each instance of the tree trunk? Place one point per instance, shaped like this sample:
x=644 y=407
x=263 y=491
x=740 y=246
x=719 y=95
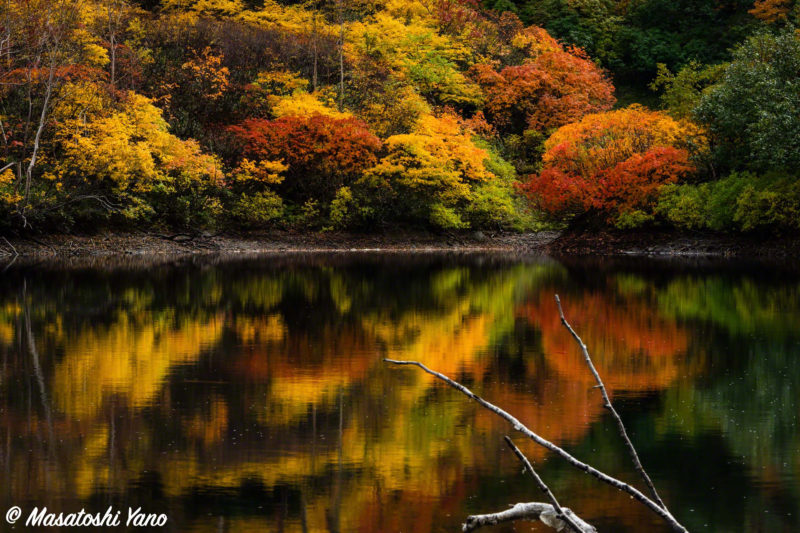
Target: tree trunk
x=341 y=54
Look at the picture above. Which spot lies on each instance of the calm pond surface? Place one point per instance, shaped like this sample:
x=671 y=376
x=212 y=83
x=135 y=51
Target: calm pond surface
x=250 y=394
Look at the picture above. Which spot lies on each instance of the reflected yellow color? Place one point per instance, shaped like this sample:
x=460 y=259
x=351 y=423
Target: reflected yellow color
x=8 y=315
x=130 y=357
x=259 y=330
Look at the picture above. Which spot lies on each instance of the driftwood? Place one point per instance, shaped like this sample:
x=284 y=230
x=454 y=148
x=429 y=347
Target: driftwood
x=561 y=518
x=608 y=405
x=527 y=511
x=656 y=506
x=13 y=253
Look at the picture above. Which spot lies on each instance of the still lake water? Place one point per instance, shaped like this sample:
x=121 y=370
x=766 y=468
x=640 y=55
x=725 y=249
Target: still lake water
x=250 y=395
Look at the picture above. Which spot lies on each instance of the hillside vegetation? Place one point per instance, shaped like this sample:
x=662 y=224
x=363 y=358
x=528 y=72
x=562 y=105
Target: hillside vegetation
x=369 y=115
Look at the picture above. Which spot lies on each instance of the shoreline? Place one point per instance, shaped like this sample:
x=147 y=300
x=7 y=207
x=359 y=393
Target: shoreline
x=118 y=244
x=617 y=243
x=568 y=243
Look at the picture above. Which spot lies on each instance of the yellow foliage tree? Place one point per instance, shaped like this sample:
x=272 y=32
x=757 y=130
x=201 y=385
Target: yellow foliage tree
x=306 y=104
x=415 y=53
x=395 y=112
x=435 y=165
x=205 y=7
x=121 y=155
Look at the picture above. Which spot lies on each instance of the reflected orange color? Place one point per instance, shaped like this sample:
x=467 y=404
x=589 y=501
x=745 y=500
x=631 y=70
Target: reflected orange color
x=560 y=411
x=209 y=427
x=633 y=348
x=301 y=371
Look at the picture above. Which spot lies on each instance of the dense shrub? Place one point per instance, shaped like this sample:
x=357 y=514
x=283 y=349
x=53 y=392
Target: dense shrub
x=753 y=113
x=612 y=164
x=552 y=87
x=739 y=202
x=322 y=153
x=439 y=174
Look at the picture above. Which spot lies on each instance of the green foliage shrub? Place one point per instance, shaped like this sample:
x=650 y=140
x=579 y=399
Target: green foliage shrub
x=350 y=209
x=258 y=209
x=492 y=206
x=775 y=206
x=445 y=217
x=683 y=90
x=739 y=202
x=684 y=206
x=496 y=204
x=632 y=219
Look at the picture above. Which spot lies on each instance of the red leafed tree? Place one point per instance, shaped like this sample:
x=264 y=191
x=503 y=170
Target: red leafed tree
x=323 y=153
x=552 y=87
x=612 y=163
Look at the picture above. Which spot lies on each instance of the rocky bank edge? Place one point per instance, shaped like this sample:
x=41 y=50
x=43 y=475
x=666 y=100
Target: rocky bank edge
x=568 y=243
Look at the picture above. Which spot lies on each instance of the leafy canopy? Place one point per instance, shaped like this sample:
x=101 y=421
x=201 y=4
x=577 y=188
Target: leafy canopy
x=753 y=113
x=612 y=164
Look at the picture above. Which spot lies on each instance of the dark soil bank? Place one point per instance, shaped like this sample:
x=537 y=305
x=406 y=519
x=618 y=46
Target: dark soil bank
x=111 y=244
x=602 y=243
x=672 y=243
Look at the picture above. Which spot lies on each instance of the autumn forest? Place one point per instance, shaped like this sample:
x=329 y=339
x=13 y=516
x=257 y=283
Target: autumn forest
x=372 y=114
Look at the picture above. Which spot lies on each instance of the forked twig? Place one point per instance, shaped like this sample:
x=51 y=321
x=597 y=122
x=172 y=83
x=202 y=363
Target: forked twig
x=519 y=426
x=16 y=253
x=608 y=405
x=561 y=513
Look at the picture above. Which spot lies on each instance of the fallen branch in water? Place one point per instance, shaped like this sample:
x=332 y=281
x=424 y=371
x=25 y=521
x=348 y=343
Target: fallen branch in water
x=561 y=518
x=526 y=511
x=607 y=404
x=13 y=250
x=656 y=506
x=580 y=465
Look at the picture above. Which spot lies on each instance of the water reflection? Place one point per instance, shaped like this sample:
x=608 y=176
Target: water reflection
x=250 y=394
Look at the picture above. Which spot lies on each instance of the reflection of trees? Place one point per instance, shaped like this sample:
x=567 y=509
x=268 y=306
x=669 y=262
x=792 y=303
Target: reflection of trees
x=227 y=381
x=633 y=348
x=221 y=381
x=741 y=306
x=128 y=360
x=745 y=421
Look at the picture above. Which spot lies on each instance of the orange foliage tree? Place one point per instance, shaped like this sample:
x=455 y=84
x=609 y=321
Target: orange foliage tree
x=771 y=11
x=552 y=87
x=612 y=163
x=323 y=153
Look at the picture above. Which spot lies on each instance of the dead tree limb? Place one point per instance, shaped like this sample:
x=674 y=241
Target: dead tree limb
x=563 y=518
x=14 y=250
x=525 y=511
x=608 y=405
x=580 y=465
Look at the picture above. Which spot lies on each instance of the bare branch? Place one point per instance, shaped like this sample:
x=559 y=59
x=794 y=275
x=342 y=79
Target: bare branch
x=10 y=263
x=104 y=202
x=607 y=404
x=40 y=129
x=519 y=426
x=12 y=247
x=560 y=514
x=525 y=511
